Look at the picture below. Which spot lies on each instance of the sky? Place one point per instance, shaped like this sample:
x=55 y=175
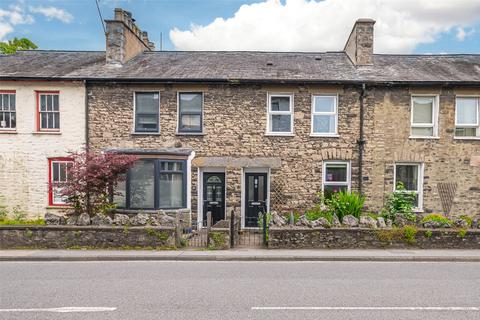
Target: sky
x=402 y=26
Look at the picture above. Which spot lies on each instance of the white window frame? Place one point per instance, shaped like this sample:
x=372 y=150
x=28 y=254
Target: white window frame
x=458 y=125
x=348 y=183
x=53 y=186
x=433 y=124
x=192 y=133
x=334 y=113
x=419 y=191
x=271 y=113
x=134 y=132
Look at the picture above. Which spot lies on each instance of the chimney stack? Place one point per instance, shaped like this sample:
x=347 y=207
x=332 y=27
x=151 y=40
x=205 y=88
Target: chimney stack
x=124 y=38
x=359 y=46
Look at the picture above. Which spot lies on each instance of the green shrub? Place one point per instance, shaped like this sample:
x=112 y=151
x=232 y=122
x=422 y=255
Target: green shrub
x=462 y=233
x=436 y=217
x=401 y=202
x=428 y=233
x=3 y=209
x=316 y=213
x=7 y=221
x=288 y=217
x=409 y=233
x=468 y=219
x=345 y=203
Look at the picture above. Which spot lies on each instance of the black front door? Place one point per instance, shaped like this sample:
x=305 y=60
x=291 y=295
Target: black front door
x=255 y=197
x=213 y=196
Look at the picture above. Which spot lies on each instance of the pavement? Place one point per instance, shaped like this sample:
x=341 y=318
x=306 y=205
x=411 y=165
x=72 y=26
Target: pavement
x=242 y=255
x=201 y=290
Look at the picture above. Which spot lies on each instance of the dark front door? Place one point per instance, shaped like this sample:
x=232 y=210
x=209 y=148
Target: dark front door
x=213 y=196
x=255 y=196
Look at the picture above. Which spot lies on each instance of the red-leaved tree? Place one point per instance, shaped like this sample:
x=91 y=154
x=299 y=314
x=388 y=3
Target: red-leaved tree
x=92 y=177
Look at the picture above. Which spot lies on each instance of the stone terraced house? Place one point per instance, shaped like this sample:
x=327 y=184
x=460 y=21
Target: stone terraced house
x=251 y=131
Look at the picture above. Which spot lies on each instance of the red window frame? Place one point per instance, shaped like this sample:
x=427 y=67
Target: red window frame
x=38 y=93
x=50 y=178
x=15 y=93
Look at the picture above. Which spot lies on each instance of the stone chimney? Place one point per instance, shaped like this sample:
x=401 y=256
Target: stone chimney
x=124 y=39
x=359 y=46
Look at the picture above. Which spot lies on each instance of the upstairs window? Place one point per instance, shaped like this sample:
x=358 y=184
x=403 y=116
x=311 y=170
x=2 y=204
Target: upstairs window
x=324 y=115
x=336 y=177
x=411 y=176
x=8 y=114
x=48 y=111
x=467 y=117
x=190 y=110
x=424 y=117
x=280 y=114
x=147 y=110
x=59 y=174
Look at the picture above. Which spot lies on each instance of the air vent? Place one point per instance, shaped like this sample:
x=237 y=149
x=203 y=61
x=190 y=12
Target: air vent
x=269 y=63
x=318 y=58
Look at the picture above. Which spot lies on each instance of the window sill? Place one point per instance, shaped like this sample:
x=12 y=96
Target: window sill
x=270 y=134
x=424 y=138
x=8 y=132
x=145 y=133
x=189 y=133
x=466 y=138
x=47 y=132
x=316 y=135
x=58 y=206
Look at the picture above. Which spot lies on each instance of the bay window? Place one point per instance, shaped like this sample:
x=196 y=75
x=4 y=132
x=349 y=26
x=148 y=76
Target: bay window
x=280 y=114
x=467 y=112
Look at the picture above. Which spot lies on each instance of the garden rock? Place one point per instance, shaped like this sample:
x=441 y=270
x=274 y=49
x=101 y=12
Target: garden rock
x=321 y=223
x=381 y=222
x=460 y=223
x=121 y=219
x=54 y=219
x=101 y=220
x=335 y=221
x=140 y=219
x=389 y=223
x=303 y=221
x=401 y=221
x=83 y=219
x=278 y=220
x=222 y=224
x=368 y=222
x=436 y=225
x=350 y=221
x=162 y=219
x=72 y=220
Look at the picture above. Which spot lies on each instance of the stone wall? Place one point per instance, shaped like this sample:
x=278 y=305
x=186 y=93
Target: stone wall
x=72 y=237
x=304 y=238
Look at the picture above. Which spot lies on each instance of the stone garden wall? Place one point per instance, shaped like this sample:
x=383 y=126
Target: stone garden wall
x=76 y=237
x=394 y=238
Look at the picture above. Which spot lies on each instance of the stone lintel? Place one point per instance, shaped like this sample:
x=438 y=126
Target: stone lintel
x=240 y=162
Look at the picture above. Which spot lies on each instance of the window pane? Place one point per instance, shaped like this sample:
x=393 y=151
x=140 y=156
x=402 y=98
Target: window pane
x=147 y=123
x=190 y=102
x=323 y=124
x=50 y=122
x=422 y=110
x=280 y=123
x=55 y=102
x=466 y=132
x=324 y=104
x=43 y=102
x=57 y=195
x=13 y=120
x=422 y=132
x=336 y=172
x=63 y=172
x=43 y=120
x=146 y=102
x=5 y=101
x=142 y=185
x=171 y=190
x=280 y=103
x=12 y=102
x=467 y=111
x=119 y=195
x=408 y=175
x=190 y=122
x=49 y=103
x=5 y=120
x=55 y=172
x=329 y=190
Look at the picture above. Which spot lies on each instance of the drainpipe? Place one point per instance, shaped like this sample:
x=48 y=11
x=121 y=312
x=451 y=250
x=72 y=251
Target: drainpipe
x=87 y=141
x=361 y=141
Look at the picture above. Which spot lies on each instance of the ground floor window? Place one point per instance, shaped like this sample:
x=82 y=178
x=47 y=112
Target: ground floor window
x=153 y=184
x=58 y=175
x=336 y=177
x=410 y=175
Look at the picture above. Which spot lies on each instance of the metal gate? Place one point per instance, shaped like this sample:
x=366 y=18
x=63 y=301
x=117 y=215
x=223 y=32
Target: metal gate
x=249 y=237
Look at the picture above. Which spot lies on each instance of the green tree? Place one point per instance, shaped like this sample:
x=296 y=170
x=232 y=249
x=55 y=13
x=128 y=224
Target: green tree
x=11 y=46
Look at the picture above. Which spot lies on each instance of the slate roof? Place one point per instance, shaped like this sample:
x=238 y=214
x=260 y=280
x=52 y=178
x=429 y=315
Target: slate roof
x=233 y=66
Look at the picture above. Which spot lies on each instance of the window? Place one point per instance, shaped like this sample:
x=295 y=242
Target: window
x=58 y=175
x=411 y=176
x=48 y=111
x=424 y=116
x=147 y=110
x=467 y=112
x=190 y=106
x=280 y=114
x=336 y=177
x=153 y=184
x=8 y=115
x=324 y=115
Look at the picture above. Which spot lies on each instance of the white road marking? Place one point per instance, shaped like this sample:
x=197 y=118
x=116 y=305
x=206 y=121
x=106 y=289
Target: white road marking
x=63 y=309
x=372 y=308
